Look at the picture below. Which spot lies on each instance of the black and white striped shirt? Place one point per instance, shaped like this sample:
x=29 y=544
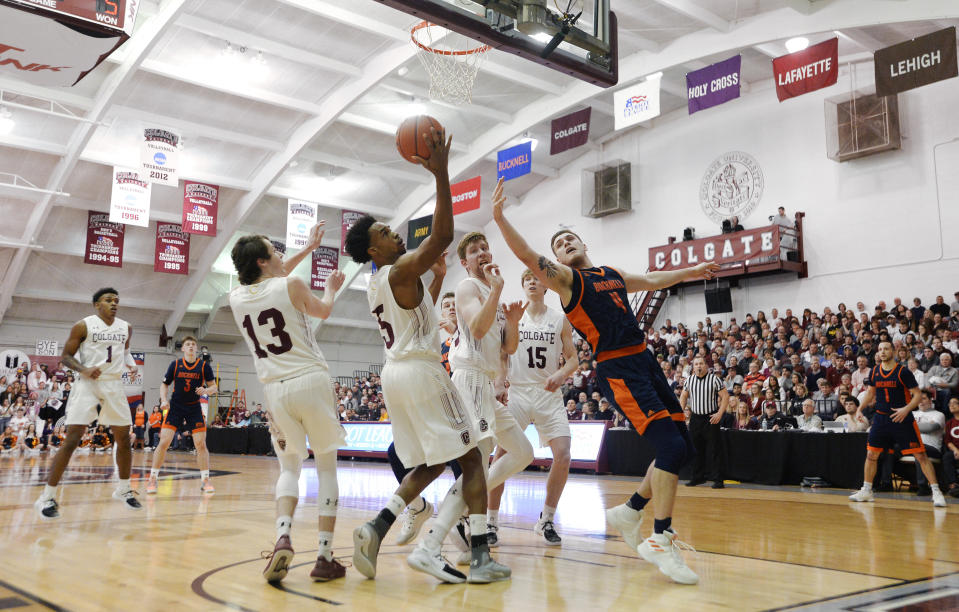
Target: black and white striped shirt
x=703 y=393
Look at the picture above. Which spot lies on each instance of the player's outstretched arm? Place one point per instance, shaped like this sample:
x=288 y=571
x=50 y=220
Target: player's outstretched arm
x=660 y=280
x=316 y=238
x=513 y=312
x=304 y=300
x=555 y=276
x=439 y=273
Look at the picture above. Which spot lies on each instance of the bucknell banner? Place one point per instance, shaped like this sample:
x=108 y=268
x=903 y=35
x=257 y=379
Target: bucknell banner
x=172 y=254
x=569 y=131
x=160 y=156
x=104 y=241
x=714 y=85
x=300 y=219
x=199 y=208
x=466 y=195
x=750 y=247
x=325 y=261
x=417 y=231
x=514 y=161
x=916 y=62
x=347 y=219
x=130 y=198
x=807 y=70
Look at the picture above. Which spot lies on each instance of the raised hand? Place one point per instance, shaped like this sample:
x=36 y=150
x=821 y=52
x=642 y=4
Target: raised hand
x=491 y=273
x=316 y=235
x=439 y=266
x=335 y=281
x=705 y=270
x=439 y=147
x=514 y=311
x=499 y=199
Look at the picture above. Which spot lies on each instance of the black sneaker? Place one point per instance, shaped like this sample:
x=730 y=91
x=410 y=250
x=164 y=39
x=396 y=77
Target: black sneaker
x=492 y=539
x=548 y=531
x=719 y=484
x=129 y=499
x=48 y=509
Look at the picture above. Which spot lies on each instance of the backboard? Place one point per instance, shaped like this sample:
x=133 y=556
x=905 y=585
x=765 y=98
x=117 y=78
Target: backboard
x=586 y=37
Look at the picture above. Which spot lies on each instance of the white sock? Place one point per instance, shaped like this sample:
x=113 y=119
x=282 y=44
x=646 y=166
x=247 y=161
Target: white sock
x=867 y=487
x=204 y=474
x=49 y=492
x=283 y=526
x=934 y=487
x=396 y=505
x=154 y=472
x=492 y=516
x=547 y=514
x=124 y=485
x=450 y=510
x=326 y=545
x=477 y=524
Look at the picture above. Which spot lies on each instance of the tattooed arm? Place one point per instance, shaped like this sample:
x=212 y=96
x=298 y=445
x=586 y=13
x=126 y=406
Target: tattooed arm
x=555 y=276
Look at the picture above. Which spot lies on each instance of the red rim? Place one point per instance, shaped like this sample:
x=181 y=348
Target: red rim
x=426 y=24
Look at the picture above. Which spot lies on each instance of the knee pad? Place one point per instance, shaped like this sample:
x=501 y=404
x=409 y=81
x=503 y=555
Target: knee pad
x=327 y=491
x=671 y=448
x=288 y=484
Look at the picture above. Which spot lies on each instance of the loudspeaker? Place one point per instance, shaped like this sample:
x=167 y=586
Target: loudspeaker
x=718 y=300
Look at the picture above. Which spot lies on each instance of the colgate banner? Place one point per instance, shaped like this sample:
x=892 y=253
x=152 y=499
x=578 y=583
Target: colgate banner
x=748 y=247
x=199 y=208
x=172 y=253
x=570 y=131
x=348 y=218
x=104 y=241
x=325 y=260
x=807 y=70
x=130 y=198
x=466 y=195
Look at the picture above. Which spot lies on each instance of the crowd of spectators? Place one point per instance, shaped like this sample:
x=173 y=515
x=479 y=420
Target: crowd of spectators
x=31 y=403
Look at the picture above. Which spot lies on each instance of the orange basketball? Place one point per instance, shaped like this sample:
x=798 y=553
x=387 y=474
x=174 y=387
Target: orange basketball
x=409 y=136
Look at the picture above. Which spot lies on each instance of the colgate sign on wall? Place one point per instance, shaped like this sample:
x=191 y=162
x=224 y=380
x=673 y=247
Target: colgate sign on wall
x=728 y=250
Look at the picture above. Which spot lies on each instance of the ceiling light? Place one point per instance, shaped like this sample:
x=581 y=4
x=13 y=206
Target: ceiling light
x=655 y=76
x=402 y=71
x=542 y=37
x=6 y=120
x=797 y=44
x=331 y=175
x=259 y=59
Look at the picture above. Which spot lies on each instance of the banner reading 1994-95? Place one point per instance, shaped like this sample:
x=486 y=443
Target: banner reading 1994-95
x=172 y=253
x=104 y=241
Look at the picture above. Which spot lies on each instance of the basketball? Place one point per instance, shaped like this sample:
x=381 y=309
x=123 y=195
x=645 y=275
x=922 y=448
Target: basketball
x=409 y=136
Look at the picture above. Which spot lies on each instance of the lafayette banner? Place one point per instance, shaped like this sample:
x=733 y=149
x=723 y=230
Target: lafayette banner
x=325 y=261
x=714 y=85
x=569 y=131
x=199 y=208
x=466 y=195
x=172 y=252
x=160 y=156
x=104 y=241
x=750 y=246
x=130 y=197
x=300 y=219
x=807 y=70
x=347 y=219
x=916 y=62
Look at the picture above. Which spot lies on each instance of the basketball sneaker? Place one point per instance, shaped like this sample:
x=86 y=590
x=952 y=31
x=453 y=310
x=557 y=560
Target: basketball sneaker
x=937 y=499
x=207 y=487
x=325 y=570
x=47 y=509
x=366 y=546
x=862 y=495
x=278 y=561
x=627 y=521
x=129 y=498
x=433 y=563
x=412 y=522
x=662 y=550
x=151 y=486
x=492 y=535
x=548 y=531
x=484 y=570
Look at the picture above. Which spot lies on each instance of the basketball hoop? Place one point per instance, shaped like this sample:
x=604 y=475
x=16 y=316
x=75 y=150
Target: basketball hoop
x=451 y=59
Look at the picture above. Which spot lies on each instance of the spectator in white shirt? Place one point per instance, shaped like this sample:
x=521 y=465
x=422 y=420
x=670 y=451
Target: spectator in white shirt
x=37 y=378
x=918 y=374
x=860 y=375
x=809 y=420
x=932 y=424
x=853 y=419
x=19 y=423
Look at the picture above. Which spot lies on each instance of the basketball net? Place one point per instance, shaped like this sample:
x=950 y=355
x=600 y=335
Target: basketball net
x=451 y=59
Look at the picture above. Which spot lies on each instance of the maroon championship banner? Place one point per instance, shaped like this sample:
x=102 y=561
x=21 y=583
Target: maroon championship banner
x=199 y=208
x=917 y=62
x=807 y=70
x=347 y=220
x=325 y=261
x=172 y=254
x=466 y=195
x=104 y=241
x=750 y=247
x=569 y=131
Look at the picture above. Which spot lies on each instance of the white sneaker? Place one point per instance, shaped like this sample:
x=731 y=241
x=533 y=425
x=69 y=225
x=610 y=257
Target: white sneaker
x=862 y=495
x=434 y=564
x=662 y=550
x=459 y=536
x=627 y=522
x=938 y=500
x=465 y=558
x=412 y=522
x=129 y=498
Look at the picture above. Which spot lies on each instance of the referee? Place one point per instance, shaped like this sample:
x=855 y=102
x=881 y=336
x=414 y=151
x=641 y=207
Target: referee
x=707 y=398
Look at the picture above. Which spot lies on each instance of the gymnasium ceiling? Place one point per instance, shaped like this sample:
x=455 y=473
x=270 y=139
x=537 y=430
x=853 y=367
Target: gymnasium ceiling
x=315 y=120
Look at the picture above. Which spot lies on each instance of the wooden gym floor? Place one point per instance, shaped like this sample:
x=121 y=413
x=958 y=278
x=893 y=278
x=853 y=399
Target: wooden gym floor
x=758 y=548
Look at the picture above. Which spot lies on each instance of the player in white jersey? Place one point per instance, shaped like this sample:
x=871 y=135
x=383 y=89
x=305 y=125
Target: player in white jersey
x=535 y=377
x=99 y=349
x=273 y=309
x=431 y=424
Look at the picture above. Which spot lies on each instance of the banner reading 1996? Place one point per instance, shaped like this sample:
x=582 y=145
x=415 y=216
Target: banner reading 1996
x=172 y=253
x=130 y=197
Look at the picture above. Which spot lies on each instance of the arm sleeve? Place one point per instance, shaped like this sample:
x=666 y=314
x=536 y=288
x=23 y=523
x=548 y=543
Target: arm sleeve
x=168 y=377
x=208 y=373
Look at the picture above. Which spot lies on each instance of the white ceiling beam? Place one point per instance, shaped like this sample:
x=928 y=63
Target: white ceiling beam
x=140 y=46
x=770 y=50
x=83 y=298
x=408 y=89
x=33 y=144
x=112 y=159
x=61 y=95
x=800 y=6
x=673 y=88
x=192 y=128
x=363 y=167
x=334 y=12
x=696 y=13
x=864 y=40
x=258 y=43
x=641 y=42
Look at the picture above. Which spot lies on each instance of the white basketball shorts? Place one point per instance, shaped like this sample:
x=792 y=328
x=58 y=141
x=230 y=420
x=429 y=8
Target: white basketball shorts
x=304 y=407
x=477 y=391
x=542 y=408
x=87 y=393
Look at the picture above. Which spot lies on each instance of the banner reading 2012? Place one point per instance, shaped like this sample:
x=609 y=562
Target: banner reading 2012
x=160 y=156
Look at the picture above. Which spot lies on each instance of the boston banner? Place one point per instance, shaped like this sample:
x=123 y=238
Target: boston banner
x=514 y=161
x=347 y=219
x=807 y=70
x=325 y=260
x=466 y=195
x=172 y=253
x=199 y=208
x=570 y=131
x=636 y=104
x=104 y=241
x=130 y=197
x=714 y=85
x=418 y=230
x=916 y=62
x=160 y=156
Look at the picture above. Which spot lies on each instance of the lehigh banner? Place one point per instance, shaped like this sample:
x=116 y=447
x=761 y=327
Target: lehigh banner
x=916 y=62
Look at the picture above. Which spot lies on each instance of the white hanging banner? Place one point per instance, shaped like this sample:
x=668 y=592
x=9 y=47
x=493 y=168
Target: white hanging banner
x=160 y=156
x=300 y=219
x=636 y=104
x=130 y=198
